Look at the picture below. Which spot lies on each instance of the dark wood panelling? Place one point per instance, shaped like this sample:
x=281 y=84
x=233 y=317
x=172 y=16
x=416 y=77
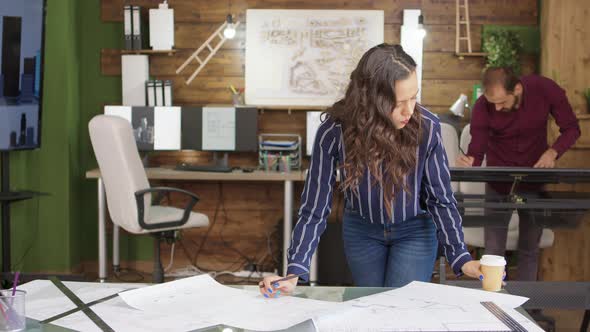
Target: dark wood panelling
x=445 y=92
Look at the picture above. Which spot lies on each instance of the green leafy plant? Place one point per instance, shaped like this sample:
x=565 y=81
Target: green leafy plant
x=503 y=49
x=587 y=95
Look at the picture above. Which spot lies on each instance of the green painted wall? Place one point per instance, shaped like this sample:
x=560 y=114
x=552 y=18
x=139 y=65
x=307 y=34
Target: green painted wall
x=42 y=228
x=58 y=231
x=96 y=91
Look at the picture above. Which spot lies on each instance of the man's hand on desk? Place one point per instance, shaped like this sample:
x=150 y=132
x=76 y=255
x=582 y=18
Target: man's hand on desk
x=271 y=288
x=464 y=161
x=547 y=159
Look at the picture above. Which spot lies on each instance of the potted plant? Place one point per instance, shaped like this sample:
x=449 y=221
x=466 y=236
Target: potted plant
x=503 y=48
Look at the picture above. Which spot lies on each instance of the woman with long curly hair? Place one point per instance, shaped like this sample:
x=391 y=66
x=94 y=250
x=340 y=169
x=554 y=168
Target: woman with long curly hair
x=395 y=178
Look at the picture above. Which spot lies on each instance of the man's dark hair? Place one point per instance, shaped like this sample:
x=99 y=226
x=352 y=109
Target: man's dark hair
x=504 y=76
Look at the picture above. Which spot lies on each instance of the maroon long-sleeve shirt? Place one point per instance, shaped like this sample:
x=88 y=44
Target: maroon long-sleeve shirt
x=520 y=138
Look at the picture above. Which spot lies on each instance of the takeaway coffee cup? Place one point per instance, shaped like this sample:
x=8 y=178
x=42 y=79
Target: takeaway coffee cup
x=492 y=267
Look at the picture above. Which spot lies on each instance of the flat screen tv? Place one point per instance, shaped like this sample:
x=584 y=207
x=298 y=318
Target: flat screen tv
x=22 y=28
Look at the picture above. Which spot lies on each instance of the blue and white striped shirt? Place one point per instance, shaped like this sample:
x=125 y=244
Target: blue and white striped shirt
x=430 y=191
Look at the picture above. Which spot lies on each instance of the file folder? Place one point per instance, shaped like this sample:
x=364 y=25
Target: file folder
x=167 y=93
x=127 y=27
x=159 y=93
x=161 y=27
x=136 y=26
x=135 y=70
x=150 y=88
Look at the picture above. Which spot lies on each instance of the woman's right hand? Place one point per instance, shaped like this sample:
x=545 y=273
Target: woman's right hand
x=270 y=288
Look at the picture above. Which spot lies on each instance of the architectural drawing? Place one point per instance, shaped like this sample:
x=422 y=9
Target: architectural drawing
x=305 y=57
x=424 y=307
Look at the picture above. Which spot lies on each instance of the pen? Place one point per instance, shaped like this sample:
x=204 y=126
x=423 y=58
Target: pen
x=285 y=278
x=233 y=89
x=14 y=283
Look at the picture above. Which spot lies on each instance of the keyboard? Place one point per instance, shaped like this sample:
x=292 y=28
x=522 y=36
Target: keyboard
x=203 y=168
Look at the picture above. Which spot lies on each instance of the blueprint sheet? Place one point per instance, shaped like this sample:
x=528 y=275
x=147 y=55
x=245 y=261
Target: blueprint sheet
x=202 y=296
x=45 y=300
x=424 y=307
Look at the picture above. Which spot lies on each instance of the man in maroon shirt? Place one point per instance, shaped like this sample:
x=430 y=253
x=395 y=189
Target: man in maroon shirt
x=509 y=128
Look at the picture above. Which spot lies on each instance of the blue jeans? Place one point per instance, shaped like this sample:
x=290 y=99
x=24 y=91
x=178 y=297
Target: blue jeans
x=390 y=255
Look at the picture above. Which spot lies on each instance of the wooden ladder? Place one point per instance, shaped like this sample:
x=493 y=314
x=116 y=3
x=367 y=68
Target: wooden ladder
x=212 y=51
x=463 y=21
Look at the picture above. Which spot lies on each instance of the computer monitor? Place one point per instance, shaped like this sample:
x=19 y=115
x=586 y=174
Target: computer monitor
x=219 y=129
x=21 y=67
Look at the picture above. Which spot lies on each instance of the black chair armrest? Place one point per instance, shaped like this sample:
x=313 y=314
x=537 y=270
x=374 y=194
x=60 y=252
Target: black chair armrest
x=166 y=224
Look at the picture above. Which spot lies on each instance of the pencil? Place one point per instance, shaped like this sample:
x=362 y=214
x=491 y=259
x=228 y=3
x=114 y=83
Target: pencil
x=286 y=278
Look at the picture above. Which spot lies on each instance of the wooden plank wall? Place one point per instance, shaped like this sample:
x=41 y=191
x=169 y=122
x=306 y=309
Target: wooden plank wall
x=565 y=57
x=565 y=47
x=252 y=211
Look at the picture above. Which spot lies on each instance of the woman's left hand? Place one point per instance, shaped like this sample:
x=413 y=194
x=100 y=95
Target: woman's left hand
x=472 y=270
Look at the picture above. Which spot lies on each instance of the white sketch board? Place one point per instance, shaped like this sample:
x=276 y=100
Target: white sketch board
x=305 y=57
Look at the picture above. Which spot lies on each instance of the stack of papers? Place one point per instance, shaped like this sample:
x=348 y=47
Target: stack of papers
x=198 y=302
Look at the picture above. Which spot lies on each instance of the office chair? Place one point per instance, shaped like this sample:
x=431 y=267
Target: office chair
x=451 y=144
x=128 y=192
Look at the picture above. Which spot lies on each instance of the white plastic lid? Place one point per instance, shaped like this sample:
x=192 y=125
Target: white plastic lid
x=492 y=260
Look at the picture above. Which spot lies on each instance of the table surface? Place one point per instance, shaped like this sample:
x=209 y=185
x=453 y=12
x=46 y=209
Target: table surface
x=325 y=293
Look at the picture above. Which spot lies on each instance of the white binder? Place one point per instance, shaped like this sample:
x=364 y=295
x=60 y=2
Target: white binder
x=127 y=27
x=136 y=24
x=135 y=70
x=162 y=28
x=167 y=93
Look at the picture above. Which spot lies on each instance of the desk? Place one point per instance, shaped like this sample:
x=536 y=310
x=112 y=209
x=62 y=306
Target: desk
x=332 y=294
x=557 y=209
x=161 y=173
